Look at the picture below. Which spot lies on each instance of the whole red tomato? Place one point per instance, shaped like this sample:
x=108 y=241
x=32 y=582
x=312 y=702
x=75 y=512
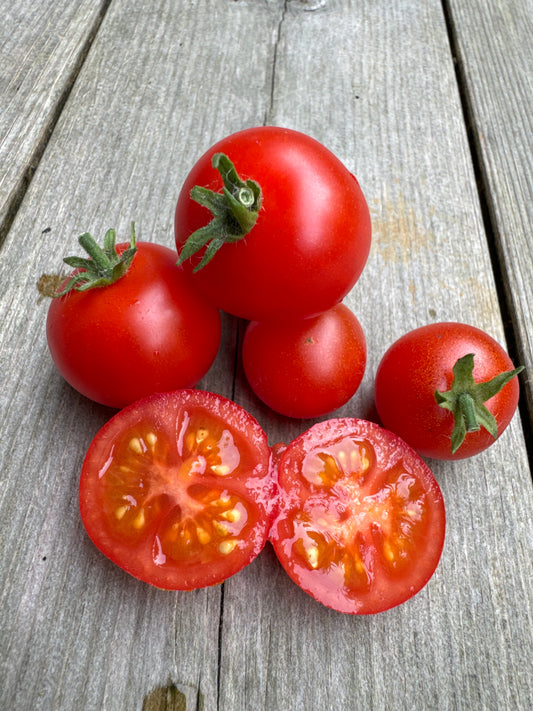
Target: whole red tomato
x=177 y=489
x=147 y=332
x=306 y=368
x=447 y=389
x=291 y=229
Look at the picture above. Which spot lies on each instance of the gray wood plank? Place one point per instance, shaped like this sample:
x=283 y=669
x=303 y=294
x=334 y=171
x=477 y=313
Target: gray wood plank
x=376 y=83
x=495 y=56
x=158 y=87
x=43 y=45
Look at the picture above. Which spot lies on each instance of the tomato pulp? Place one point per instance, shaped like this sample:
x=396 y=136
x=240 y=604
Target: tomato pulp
x=361 y=518
x=177 y=489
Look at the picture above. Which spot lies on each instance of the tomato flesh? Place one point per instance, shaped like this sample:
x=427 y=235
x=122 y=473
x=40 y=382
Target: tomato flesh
x=176 y=489
x=361 y=518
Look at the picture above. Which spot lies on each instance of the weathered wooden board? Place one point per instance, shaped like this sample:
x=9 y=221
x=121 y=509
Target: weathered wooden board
x=161 y=82
x=389 y=106
x=42 y=47
x=375 y=82
x=495 y=56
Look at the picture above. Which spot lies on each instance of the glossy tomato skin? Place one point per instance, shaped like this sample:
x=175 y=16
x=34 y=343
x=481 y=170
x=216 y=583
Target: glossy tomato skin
x=361 y=519
x=148 y=332
x=306 y=368
x=177 y=489
x=421 y=362
x=312 y=237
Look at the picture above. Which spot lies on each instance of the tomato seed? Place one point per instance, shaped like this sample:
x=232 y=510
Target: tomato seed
x=203 y=535
x=220 y=469
x=220 y=528
x=312 y=556
x=227 y=546
x=139 y=520
x=135 y=445
x=121 y=512
x=151 y=438
x=233 y=515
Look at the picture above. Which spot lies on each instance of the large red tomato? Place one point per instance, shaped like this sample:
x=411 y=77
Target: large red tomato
x=147 y=332
x=361 y=518
x=304 y=218
x=177 y=489
x=447 y=389
x=309 y=367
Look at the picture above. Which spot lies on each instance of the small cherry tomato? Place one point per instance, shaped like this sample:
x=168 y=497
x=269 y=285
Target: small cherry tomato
x=135 y=327
x=448 y=389
x=290 y=232
x=361 y=518
x=306 y=368
x=176 y=489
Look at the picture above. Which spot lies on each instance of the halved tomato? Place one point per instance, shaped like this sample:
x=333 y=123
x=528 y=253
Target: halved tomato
x=177 y=490
x=361 y=517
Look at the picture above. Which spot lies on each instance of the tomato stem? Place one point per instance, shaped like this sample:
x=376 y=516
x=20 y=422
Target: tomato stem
x=104 y=266
x=467 y=406
x=235 y=211
x=466 y=398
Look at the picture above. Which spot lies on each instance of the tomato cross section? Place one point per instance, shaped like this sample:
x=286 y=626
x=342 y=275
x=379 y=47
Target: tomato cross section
x=176 y=489
x=361 y=519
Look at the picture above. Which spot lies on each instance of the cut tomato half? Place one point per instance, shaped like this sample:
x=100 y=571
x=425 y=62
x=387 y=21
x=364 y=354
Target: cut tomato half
x=177 y=490
x=361 y=517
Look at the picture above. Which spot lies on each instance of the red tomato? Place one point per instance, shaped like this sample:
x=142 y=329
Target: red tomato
x=309 y=367
x=312 y=235
x=147 y=332
x=176 y=489
x=421 y=363
x=361 y=518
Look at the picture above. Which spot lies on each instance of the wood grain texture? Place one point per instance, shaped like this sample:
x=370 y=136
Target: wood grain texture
x=76 y=633
x=375 y=82
x=495 y=55
x=389 y=106
x=43 y=44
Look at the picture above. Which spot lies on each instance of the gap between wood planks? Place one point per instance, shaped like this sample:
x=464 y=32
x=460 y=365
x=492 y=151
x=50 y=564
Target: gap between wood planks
x=491 y=229
x=35 y=158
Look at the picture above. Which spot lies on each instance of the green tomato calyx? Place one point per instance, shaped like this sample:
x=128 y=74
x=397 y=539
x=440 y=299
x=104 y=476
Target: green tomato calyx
x=466 y=398
x=103 y=267
x=235 y=211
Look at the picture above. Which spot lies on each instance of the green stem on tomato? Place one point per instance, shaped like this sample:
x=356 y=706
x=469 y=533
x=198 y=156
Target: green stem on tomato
x=103 y=267
x=467 y=407
x=235 y=211
x=466 y=398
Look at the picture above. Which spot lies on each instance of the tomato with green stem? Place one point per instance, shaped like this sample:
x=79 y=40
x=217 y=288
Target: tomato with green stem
x=270 y=224
x=361 y=519
x=177 y=489
x=127 y=323
x=306 y=368
x=448 y=389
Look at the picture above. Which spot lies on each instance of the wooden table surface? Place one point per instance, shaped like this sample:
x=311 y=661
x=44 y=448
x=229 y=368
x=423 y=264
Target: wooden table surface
x=104 y=107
